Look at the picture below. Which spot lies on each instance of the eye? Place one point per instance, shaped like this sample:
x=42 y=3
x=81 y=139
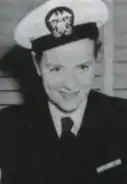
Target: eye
x=83 y=67
x=55 y=69
x=52 y=21
x=57 y=21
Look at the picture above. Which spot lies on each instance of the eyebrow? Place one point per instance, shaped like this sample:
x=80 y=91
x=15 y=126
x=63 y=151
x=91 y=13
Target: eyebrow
x=56 y=64
x=53 y=64
x=85 y=63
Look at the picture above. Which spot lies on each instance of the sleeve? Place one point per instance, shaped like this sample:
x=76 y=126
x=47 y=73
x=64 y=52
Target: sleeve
x=10 y=139
x=10 y=135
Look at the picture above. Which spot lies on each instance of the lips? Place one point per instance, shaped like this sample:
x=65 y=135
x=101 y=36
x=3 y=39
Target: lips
x=69 y=95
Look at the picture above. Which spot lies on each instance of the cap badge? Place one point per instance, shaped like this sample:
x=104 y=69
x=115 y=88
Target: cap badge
x=60 y=21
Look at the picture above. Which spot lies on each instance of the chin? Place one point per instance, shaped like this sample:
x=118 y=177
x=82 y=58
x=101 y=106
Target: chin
x=67 y=108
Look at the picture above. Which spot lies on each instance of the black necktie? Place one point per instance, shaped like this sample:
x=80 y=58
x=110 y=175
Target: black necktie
x=67 y=124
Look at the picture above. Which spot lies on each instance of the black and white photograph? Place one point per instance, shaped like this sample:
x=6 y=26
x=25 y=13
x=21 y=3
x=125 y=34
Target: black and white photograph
x=63 y=92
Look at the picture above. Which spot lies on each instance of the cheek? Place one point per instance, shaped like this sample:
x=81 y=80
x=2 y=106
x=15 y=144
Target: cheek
x=51 y=81
x=86 y=78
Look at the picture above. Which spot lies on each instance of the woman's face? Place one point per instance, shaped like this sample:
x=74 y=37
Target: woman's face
x=67 y=72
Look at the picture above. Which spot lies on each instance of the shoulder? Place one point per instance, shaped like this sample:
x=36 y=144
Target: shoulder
x=110 y=110
x=109 y=102
x=113 y=112
x=10 y=110
x=11 y=114
x=13 y=120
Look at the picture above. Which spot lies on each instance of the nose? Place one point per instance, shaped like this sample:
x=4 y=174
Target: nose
x=69 y=81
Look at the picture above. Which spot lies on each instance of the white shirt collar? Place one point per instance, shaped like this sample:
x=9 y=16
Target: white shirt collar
x=76 y=116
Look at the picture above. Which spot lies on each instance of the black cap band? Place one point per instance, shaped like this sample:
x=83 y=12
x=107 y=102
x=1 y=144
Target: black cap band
x=47 y=42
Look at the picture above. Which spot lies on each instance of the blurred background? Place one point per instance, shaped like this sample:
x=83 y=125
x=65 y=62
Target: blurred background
x=111 y=67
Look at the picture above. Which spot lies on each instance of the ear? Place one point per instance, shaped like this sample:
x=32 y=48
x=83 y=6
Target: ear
x=35 y=63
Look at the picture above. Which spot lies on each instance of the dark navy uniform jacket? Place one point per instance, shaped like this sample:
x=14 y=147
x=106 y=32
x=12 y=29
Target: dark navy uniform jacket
x=31 y=151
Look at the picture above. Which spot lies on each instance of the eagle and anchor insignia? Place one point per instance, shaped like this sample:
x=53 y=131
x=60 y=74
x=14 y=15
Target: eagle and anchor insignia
x=60 y=21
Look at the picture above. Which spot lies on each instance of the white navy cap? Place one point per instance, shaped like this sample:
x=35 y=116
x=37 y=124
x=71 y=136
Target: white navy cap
x=57 y=22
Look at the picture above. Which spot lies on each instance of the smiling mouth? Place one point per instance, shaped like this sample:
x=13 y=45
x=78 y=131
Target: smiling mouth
x=69 y=95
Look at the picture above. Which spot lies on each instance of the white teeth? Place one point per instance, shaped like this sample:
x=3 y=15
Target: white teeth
x=69 y=95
